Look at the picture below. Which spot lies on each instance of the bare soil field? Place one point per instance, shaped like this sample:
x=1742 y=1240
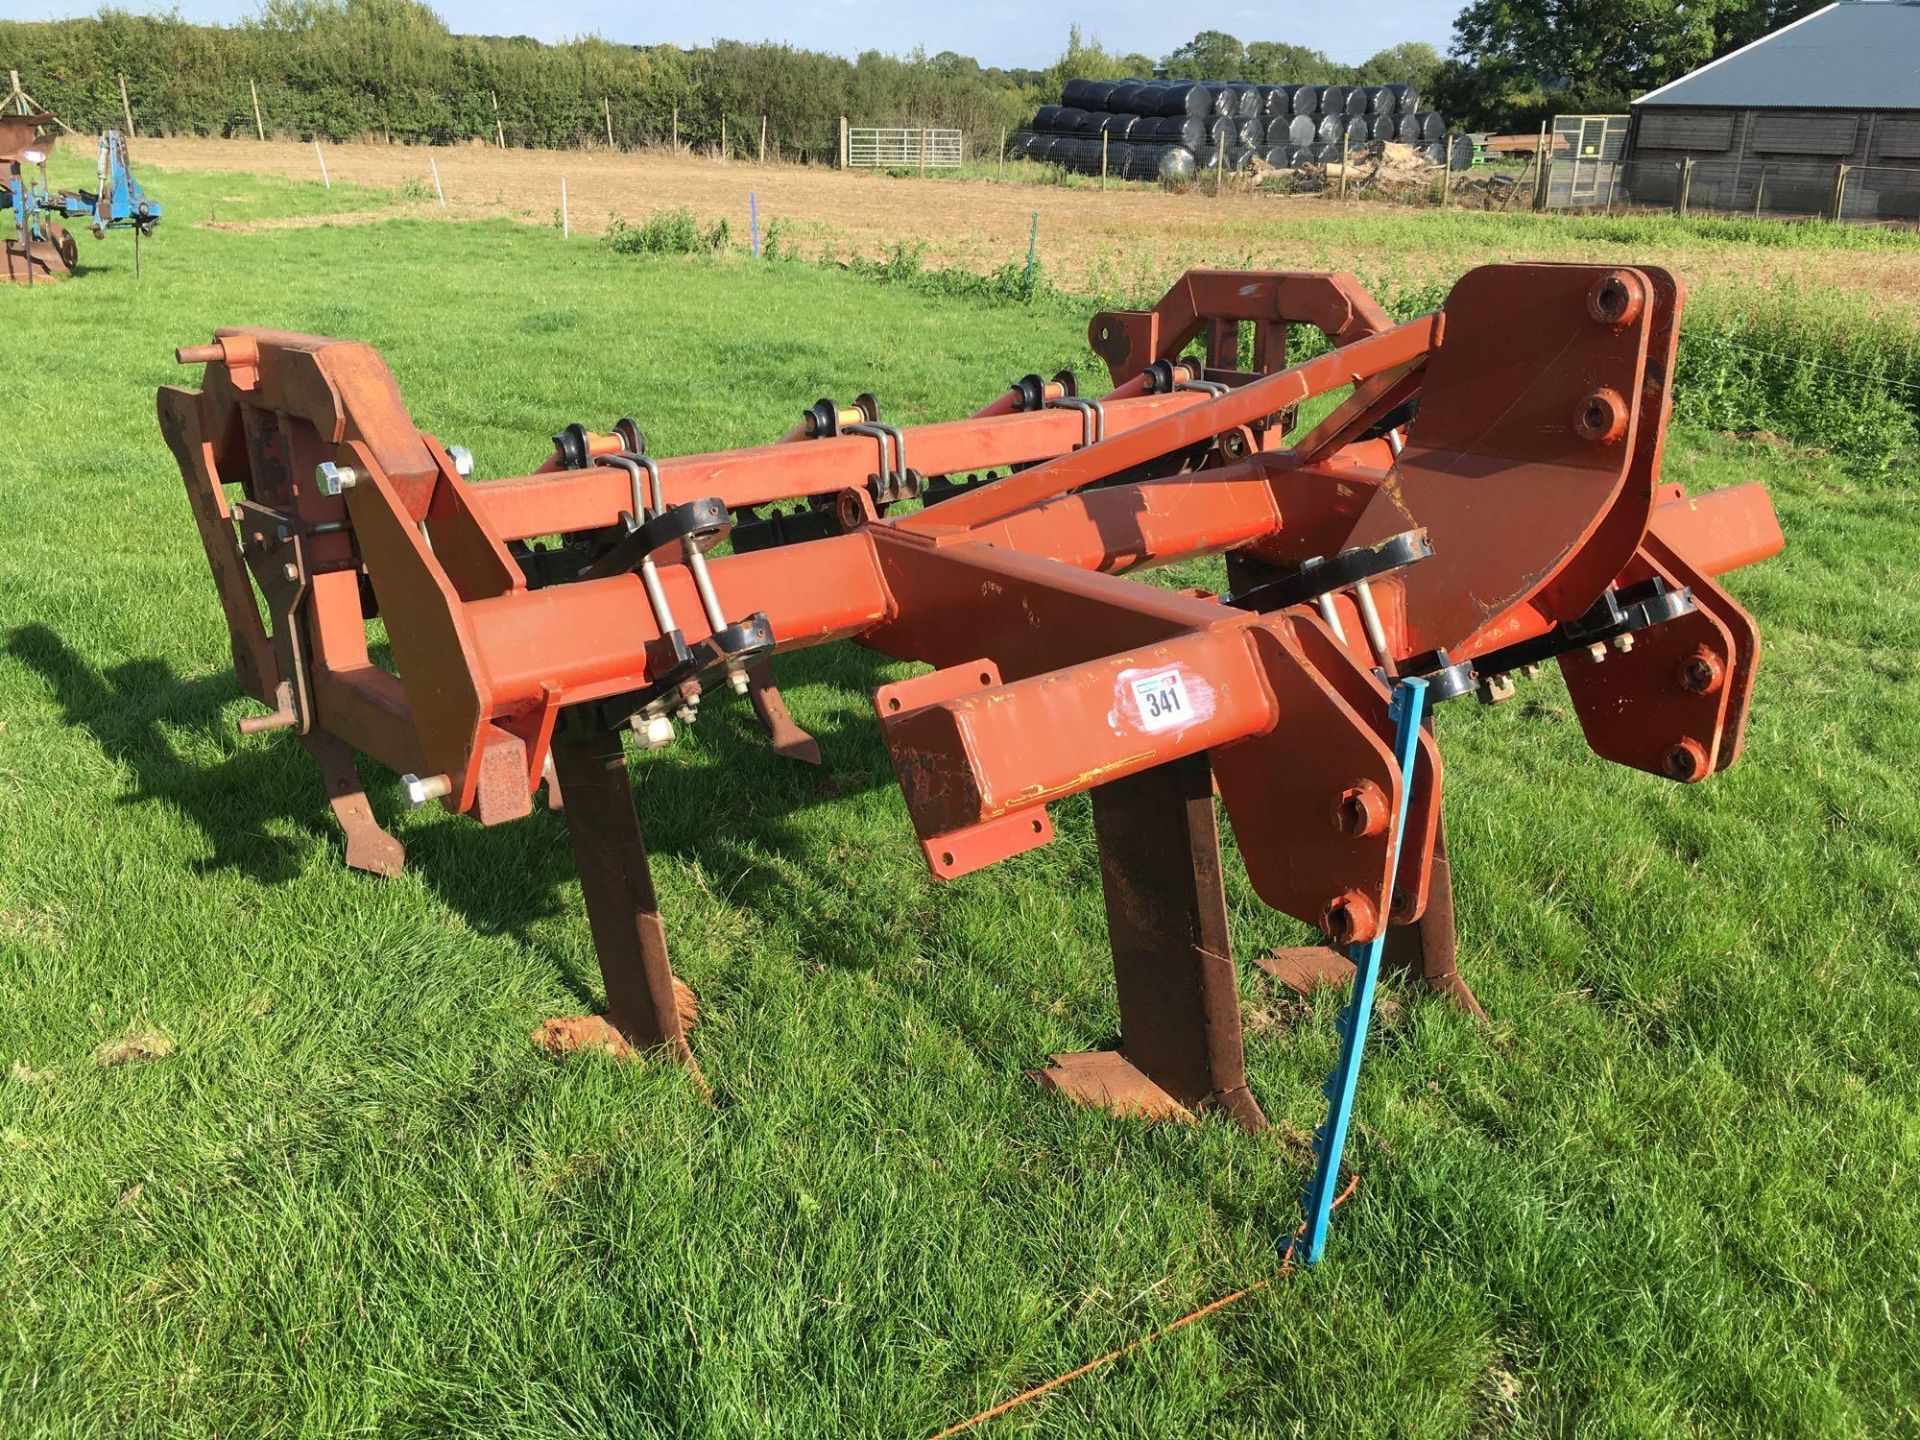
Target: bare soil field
x=1125 y=240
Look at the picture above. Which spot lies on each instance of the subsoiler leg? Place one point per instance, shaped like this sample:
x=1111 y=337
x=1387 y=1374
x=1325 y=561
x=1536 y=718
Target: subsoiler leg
x=1180 y=1039
x=622 y=910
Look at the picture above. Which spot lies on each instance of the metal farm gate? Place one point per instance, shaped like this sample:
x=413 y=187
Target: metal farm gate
x=1584 y=161
x=874 y=148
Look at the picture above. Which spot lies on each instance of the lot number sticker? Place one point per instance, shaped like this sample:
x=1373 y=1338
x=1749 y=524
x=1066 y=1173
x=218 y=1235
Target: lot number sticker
x=1162 y=701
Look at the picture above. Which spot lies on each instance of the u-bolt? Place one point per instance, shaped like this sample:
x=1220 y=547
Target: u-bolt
x=1206 y=387
x=649 y=572
x=1093 y=418
x=893 y=451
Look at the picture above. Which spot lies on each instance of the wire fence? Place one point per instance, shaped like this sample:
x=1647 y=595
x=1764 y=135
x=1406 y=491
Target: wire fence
x=1777 y=189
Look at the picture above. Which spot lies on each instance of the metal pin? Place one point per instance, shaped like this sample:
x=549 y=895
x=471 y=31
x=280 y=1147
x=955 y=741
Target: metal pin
x=420 y=791
x=1370 y=620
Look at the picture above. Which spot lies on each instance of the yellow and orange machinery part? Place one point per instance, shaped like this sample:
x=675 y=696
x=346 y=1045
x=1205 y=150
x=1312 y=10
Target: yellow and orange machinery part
x=1484 y=498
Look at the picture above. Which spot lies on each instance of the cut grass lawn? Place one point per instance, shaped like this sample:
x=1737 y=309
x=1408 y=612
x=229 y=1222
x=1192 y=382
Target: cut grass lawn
x=277 y=1156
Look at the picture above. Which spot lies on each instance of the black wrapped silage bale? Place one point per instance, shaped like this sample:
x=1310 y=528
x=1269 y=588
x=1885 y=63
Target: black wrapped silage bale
x=1435 y=151
x=1175 y=163
x=1406 y=130
x=1379 y=100
x=1047 y=118
x=1300 y=130
x=1277 y=101
x=1329 y=128
x=1333 y=100
x=1306 y=99
x=1382 y=127
x=1324 y=150
x=1125 y=99
x=1357 y=101
x=1246 y=100
x=1460 y=153
x=1405 y=101
x=1074 y=93
x=1240 y=157
x=1432 y=126
x=1115 y=127
x=1358 y=130
x=1204 y=157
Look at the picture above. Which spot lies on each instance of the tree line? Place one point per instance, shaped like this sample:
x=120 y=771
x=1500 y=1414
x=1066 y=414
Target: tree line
x=345 y=69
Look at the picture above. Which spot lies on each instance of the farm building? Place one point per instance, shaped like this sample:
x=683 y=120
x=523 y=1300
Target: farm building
x=1822 y=117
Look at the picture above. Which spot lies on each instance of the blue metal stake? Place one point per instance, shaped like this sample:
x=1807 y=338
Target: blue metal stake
x=753 y=221
x=1330 y=1140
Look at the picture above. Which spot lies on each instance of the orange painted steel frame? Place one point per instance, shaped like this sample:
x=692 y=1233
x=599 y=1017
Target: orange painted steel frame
x=1517 y=431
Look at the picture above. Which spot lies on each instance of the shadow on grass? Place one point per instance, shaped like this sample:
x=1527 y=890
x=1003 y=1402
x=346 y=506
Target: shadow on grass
x=128 y=709
x=731 y=814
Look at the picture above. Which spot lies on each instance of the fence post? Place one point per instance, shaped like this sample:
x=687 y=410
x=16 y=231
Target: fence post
x=323 y=163
x=1685 y=192
x=1543 y=177
x=252 y=89
x=126 y=107
x=1446 y=171
x=1003 y=150
x=840 y=143
x=753 y=222
x=436 y=182
x=499 y=130
x=1345 y=153
x=1103 y=159
x=1219 y=170
x=607 y=103
x=1759 y=191
x=1839 y=191
x=676 y=129
x=763 y=139
x=723 y=137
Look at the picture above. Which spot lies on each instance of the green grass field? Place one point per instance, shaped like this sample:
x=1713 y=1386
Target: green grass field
x=1669 y=1190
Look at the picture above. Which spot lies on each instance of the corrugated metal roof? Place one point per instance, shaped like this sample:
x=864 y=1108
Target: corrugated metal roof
x=1854 y=55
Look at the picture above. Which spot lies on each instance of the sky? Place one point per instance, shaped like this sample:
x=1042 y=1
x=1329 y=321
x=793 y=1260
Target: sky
x=999 y=32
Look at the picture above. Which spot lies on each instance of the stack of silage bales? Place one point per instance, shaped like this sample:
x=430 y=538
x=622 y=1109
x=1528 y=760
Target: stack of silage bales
x=1171 y=129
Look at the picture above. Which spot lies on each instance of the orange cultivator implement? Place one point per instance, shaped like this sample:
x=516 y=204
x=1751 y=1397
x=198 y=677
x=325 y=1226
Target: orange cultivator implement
x=1486 y=498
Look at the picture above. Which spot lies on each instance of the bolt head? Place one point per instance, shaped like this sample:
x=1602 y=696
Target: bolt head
x=1596 y=653
x=416 y=789
x=739 y=681
x=292 y=573
x=655 y=731
x=334 y=479
x=1622 y=644
x=462 y=460
x=1493 y=689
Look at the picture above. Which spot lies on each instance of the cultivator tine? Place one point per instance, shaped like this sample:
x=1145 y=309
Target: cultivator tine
x=1487 y=499
x=784 y=736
